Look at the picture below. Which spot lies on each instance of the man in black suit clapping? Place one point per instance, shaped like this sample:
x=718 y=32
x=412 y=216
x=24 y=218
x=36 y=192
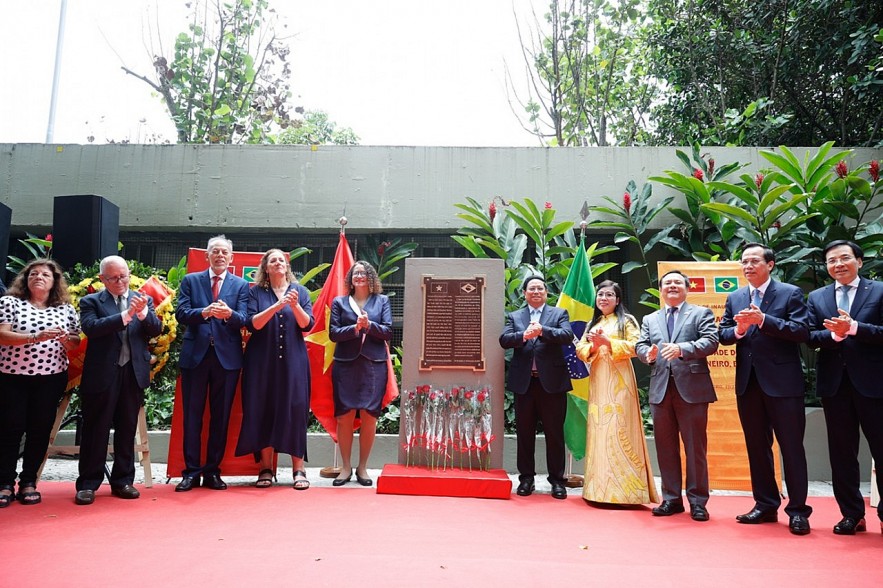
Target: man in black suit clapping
x=116 y=370
x=846 y=325
x=539 y=379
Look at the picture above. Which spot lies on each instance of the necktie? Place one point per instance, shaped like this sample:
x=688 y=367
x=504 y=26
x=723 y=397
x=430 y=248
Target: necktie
x=534 y=318
x=755 y=297
x=216 y=287
x=125 y=351
x=670 y=320
x=843 y=299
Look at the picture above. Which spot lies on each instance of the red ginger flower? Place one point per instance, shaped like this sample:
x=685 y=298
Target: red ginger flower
x=710 y=167
x=841 y=169
x=758 y=180
x=697 y=173
x=49 y=236
x=492 y=210
x=874 y=170
x=627 y=201
x=548 y=205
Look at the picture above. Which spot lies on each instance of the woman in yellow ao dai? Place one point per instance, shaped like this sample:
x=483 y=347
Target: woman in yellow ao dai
x=618 y=467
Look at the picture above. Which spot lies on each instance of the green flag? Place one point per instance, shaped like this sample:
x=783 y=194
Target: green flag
x=578 y=298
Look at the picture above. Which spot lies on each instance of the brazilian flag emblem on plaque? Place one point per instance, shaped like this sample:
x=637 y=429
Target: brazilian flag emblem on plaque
x=249 y=272
x=726 y=284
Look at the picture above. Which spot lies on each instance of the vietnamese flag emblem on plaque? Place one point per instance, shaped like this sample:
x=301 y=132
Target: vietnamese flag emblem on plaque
x=697 y=285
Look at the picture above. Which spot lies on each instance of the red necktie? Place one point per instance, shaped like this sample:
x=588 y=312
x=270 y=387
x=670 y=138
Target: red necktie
x=216 y=287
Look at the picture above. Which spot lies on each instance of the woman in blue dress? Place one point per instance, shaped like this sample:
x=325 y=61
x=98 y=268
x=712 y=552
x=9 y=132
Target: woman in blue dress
x=361 y=325
x=276 y=371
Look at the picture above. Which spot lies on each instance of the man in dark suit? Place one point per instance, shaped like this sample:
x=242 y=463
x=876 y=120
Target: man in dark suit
x=539 y=379
x=116 y=370
x=846 y=324
x=767 y=321
x=675 y=341
x=212 y=304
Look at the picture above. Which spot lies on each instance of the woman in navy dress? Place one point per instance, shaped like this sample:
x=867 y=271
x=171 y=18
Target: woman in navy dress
x=276 y=371
x=361 y=325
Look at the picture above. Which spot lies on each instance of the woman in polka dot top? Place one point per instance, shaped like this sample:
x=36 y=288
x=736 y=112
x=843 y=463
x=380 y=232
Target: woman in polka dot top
x=38 y=326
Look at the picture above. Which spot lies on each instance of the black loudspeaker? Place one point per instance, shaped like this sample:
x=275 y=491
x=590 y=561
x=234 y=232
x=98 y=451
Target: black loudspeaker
x=84 y=229
x=5 y=225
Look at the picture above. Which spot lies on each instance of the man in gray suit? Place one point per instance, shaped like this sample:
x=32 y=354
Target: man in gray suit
x=675 y=341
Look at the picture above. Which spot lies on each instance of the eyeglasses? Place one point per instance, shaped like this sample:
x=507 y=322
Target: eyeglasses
x=752 y=261
x=360 y=274
x=842 y=259
x=605 y=295
x=117 y=279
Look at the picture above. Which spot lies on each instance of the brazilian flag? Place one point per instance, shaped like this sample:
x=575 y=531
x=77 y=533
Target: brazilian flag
x=726 y=284
x=578 y=299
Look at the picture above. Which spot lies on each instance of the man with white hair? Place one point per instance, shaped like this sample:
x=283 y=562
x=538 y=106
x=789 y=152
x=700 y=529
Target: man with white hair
x=118 y=323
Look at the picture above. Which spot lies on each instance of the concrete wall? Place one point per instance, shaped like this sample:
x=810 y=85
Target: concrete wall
x=225 y=187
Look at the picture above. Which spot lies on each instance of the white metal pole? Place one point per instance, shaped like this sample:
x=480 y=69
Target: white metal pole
x=50 y=128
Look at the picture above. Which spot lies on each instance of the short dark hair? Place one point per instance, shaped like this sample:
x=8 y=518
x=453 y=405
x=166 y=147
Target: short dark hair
x=856 y=250
x=679 y=272
x=528 y=280
x=768 y=253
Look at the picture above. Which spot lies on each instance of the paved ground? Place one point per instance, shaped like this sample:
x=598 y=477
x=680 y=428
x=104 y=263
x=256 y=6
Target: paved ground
x=65 y=469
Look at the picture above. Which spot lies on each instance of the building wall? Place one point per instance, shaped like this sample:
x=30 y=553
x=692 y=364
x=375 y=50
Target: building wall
x=216 y=188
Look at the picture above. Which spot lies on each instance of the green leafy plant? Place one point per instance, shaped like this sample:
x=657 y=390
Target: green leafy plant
x=386 y=255
x=504 y=230
x=703 y=234
x=37 y=247
x=631 y=217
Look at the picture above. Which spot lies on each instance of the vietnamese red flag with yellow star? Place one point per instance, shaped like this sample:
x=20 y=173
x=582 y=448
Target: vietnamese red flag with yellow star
x=319 y=347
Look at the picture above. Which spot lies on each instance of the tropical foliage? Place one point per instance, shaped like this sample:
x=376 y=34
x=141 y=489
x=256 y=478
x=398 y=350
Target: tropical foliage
x=506 y=229
x=315 y=128
x=721 y=72
x=794 y=206
x=589 y=82
x=228 y=80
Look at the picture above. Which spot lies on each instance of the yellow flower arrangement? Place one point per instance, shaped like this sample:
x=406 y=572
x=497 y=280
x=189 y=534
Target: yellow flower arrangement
x=159 y=346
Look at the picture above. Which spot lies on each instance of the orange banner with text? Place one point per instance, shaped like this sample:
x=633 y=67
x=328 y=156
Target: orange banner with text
x=710 y=282
x=244 y=265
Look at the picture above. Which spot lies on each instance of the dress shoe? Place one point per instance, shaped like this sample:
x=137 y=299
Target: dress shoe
x=559 y=491
x=341 y=481
x=214 y=482
x=799 y=525
x=757 y=516
x=363 y=481
x=698 y=512
x=187 y=484
x=128 y=492
x=849 y=526
x=85 y=497
x=525 y=488
x=668 y=508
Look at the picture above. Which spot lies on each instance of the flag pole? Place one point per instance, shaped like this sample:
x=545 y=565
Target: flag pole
x=334 y=470
x=576 y=480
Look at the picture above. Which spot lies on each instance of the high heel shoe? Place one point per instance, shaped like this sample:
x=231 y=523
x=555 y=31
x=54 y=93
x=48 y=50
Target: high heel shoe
x=363 y=481
x=342 y=481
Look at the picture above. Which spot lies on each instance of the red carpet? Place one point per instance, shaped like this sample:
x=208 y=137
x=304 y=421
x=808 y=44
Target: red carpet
x=352 y=536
